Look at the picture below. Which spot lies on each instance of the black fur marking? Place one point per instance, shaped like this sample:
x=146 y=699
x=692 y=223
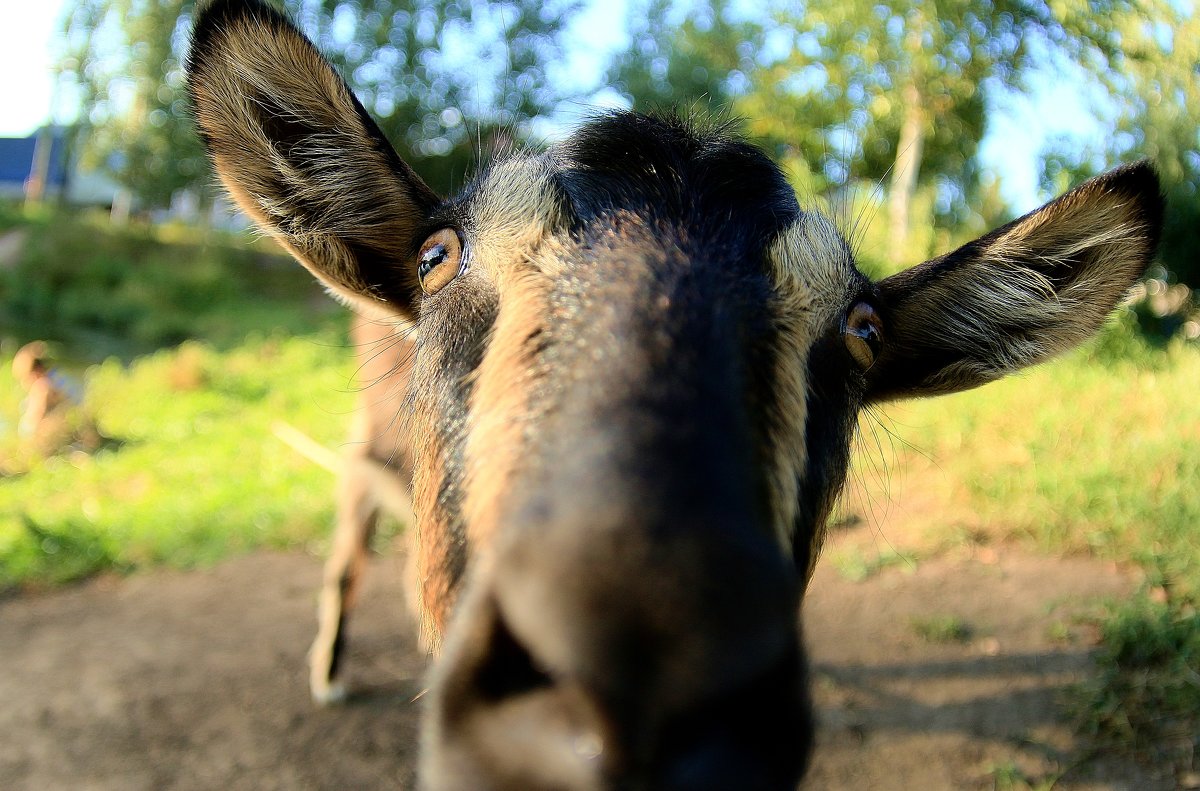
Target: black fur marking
x=723 y=192
x=834 y=395
x=339 y=647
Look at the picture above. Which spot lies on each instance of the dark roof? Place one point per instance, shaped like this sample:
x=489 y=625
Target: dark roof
x=16 y=159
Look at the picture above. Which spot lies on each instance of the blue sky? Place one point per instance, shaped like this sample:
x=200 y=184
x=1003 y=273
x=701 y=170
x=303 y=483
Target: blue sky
x=1052 y=107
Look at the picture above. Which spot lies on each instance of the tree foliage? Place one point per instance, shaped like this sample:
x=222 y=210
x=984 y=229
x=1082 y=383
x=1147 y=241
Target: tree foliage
x=829 y=87
x=887 y=91
x=124 y=57
x=700 y=58
x=443 y=77
x=1146 y=54
x=898 y=92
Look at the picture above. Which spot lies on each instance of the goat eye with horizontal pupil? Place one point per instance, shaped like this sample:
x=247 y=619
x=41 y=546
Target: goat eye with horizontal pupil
x=863 y=333
x=439 y=261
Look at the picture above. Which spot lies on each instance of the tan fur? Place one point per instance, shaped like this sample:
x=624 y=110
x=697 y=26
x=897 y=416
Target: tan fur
x=810 y=265
x=504 y=254
x=435 y=591
x=1010 y=283
x=374 y=474
x=499 y=407
x=510 y=250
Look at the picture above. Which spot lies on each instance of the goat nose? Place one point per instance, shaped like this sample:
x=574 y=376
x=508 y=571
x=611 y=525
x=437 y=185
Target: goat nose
x=621 y=683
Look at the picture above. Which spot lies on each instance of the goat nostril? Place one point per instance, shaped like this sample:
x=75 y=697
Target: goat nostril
x=755 y=736
x=508 y=669
x=502 y=720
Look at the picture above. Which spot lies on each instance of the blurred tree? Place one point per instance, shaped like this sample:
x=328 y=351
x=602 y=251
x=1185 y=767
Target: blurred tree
x=124 y=58
x=1147 y=56
x=884 y=90
x=686 y=58
x=896 y=91
x=443 y=78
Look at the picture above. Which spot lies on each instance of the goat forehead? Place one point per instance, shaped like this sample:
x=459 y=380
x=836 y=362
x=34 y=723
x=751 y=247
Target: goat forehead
x=710 y=188
x=722 y=190
x=704 y=191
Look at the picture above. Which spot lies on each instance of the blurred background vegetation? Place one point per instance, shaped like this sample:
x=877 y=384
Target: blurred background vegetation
x=193 y=336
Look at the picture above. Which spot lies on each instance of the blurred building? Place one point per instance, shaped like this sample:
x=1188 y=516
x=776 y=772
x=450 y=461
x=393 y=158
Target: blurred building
x=45 y=156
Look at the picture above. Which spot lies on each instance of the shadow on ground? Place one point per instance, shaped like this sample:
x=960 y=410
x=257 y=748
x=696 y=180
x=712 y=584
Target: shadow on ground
x=981 y=710
x=173 y=680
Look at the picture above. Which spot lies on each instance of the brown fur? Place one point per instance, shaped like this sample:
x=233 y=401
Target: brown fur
x=628 y=417
x=811 y=262
x=1064 y=265
x=374 y=474
x=332 y=198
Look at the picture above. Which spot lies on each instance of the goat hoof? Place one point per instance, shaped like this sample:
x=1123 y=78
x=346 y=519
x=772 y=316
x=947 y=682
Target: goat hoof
x=328 y=694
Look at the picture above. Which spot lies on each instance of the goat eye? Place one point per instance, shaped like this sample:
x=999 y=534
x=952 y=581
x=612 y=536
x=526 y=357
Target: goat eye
x=863 y=332
x=440 y=260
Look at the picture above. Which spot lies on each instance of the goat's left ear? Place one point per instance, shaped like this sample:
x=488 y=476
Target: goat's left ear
x=301 y=156
x=1019 y=295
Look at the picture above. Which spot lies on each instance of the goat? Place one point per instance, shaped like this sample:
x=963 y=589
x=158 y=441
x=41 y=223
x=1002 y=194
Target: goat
x=636 y=367
x=373 y=475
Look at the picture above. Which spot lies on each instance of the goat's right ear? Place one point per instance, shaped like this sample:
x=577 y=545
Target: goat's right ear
x=303 y=158
x=1021 y=294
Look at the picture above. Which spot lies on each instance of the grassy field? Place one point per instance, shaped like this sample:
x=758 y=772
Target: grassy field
x=1096 y=453
x=1099 y=452
x=198 y=474
x=190 y=344
x=100 y=291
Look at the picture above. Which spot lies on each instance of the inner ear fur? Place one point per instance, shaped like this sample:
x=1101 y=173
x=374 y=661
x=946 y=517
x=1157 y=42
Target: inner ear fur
x=300 y=155
x=1027 y=291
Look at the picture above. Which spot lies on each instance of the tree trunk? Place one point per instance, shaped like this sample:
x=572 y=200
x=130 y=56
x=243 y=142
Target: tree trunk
x=39 y=173
x=906 y=167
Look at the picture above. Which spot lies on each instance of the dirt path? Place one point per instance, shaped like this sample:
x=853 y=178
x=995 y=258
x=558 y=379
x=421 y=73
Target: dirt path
x=195 y=680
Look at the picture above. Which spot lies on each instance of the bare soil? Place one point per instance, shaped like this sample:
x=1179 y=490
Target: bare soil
x=195 y=680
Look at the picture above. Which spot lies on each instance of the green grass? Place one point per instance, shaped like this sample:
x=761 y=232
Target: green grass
x=1010 y=777
x=199 y=475
x=853 y=564
x=101 y=291
x=1084 y=455
x=942 y=629
x=1145 y=699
